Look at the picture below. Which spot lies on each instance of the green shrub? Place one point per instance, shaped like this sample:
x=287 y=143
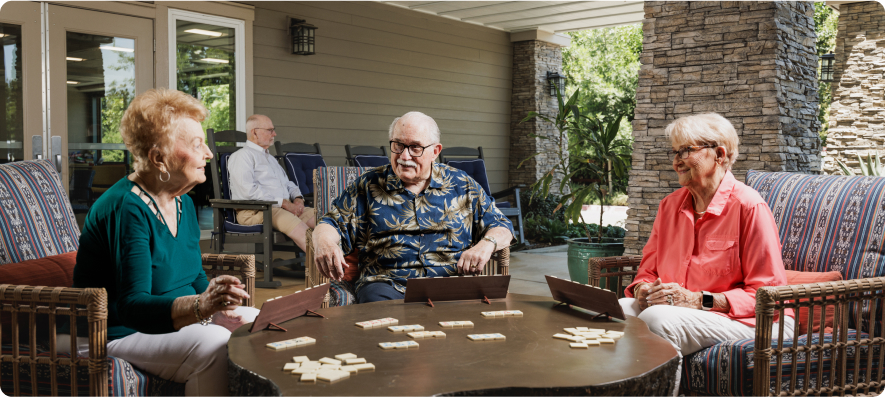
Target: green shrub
x=541 y=207
x=545 y=230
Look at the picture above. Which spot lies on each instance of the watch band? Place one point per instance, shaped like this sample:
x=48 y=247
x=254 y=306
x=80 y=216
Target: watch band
x=493 y=241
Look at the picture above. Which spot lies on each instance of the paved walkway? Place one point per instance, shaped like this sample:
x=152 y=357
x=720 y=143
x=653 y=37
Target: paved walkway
x=528 y=268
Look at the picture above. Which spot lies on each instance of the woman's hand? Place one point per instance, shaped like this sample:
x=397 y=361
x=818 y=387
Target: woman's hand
x=224 y=293
x=672 y=294
x=641 y=294
x=228 y=319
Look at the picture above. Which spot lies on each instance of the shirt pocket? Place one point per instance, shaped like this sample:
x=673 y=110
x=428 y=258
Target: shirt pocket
x=719 y=255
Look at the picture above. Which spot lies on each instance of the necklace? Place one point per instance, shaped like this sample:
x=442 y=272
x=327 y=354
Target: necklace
x=700 y=213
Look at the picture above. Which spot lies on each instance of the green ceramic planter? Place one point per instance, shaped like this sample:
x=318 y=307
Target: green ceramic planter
x=579 y=251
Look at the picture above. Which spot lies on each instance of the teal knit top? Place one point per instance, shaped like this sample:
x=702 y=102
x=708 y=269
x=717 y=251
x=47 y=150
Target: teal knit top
x=127 y=249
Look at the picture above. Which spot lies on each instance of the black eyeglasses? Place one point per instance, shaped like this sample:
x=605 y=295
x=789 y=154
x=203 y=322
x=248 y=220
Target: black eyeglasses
x=686 y=151
x=414 y=150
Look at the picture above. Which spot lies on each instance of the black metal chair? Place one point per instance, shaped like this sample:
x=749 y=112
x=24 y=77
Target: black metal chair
x=81 y=190
x=366 y=156
x=472 y=162
x=299 y=161
x=228 y=231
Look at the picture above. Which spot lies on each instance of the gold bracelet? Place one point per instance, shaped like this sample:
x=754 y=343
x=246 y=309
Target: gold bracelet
x=200 y=319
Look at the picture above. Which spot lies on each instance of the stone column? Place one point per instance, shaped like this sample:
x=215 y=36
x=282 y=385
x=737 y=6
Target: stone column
x=752 y=62
x=532 y=59
x=856 y=114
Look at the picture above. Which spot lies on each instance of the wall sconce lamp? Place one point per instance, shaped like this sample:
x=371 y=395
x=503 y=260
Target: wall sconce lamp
x=556 y=81
x=303 y=37
x=827 y=63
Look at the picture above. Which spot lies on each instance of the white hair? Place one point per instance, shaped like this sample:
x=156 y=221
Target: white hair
x=429 y=124
x=707 y=128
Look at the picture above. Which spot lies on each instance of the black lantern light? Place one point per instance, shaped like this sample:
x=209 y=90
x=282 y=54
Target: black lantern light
x=827 y=62
x=554 y=81
x=303 y=37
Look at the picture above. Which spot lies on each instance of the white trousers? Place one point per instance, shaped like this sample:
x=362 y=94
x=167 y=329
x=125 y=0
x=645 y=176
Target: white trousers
x=195 y=355
x=692 y=330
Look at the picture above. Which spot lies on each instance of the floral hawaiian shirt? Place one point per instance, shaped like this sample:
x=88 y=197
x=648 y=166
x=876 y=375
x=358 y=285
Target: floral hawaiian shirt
x=401 y=235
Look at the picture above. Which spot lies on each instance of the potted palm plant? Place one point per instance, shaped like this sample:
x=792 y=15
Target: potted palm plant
x=605 y=157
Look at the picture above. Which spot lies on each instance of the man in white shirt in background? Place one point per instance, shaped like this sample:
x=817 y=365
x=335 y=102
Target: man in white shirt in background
x=256 y=175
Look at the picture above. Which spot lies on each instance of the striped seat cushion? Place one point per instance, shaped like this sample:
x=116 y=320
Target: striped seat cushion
x=341 y=294
x=123 y=379
x=828 y=223
x=35 y=211
x=727 y=369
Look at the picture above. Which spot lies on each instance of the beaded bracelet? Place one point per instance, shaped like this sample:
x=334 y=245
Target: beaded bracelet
x=200 y=319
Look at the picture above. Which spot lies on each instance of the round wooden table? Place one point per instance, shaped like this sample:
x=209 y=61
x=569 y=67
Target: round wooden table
x=529 y=362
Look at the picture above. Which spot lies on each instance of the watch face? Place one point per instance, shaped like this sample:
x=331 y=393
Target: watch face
x=708 y=300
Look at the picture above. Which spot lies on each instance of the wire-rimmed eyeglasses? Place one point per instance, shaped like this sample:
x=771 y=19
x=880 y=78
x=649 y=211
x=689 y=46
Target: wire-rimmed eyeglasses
x=687 y=151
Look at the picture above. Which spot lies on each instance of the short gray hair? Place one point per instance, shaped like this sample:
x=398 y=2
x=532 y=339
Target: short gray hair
x=705 y=128
x=430 y=126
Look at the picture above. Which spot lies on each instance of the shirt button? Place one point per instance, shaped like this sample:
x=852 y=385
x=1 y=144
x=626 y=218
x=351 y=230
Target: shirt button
x=422 y=234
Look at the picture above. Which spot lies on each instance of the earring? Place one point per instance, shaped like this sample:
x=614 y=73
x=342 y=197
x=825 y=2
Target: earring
x=168 y=176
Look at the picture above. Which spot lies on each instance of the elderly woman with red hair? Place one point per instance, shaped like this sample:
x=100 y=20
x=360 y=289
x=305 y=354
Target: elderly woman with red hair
x=713 y=244
x=141 y=243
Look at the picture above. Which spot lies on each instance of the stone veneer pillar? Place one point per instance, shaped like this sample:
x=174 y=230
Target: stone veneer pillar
x=752 y=62
x=532 y=59
x=856 y=114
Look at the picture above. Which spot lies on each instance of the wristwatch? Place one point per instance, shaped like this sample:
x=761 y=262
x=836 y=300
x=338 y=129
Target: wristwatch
x=493 y=241
x=707 y=302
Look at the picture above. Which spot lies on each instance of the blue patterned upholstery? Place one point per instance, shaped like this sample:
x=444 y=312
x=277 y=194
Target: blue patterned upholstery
x=35 y=211
x=299 y=169
x=727 y=369
x=341 y=293
x=365 y=160
x=825 y=223
x=230 y=217
x=124 y=379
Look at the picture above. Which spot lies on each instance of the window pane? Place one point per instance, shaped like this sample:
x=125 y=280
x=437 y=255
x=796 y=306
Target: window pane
x=205 y=68
x=101 y=84
x=12 y=122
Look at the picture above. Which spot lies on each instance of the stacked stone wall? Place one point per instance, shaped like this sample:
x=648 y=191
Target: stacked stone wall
x=531 y=61
x=857 y=125
x=752 y=62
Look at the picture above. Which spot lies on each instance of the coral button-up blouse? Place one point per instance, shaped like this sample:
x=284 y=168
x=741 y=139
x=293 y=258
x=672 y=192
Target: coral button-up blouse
x=732 y=249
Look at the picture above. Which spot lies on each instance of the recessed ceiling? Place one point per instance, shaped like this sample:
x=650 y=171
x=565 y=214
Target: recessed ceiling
x=551 y=16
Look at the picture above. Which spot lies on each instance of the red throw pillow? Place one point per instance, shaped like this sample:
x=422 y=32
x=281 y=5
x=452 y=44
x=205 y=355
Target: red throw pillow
x=793 y=278
x=51 y=271
x=352 y=272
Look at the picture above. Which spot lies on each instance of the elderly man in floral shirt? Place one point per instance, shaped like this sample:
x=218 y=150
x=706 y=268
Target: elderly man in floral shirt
x=412 y=218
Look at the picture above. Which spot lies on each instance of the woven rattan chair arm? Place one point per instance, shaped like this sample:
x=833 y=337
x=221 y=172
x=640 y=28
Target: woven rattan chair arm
x=240 y=266
x=312 y=275
x=25 y=298
x=501 y=257
x=595 y=266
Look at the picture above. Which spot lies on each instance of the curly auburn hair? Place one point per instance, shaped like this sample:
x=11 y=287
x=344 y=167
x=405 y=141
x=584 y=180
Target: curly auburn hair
x=151 y=121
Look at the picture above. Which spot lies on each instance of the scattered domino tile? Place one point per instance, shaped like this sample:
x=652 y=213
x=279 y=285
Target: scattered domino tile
x=612 y=336
x=329 y=366
x=562 y=336
x=360 y=368
x=300 y=359
x=353 y=361
x=503 y=313
x=381 y=322
x=482 y=337
x=291 y=366
x=605 y=340
x=576 y=345
x=349 y=368
x=591 y=342
x=398 y=345
x=345 y=356
x=290 y=343
x=456 y=324
x=427 y=334
x=309 y=377
x=327 y=360
x=405 y=328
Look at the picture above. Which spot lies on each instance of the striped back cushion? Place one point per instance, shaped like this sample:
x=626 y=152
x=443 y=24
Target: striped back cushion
x=827 y=223
x=35 y=214
x=330 y=182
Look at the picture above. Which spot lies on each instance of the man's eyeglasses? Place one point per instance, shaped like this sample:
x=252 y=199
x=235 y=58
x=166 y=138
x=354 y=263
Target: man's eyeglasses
x=272 y=130
x=414 y=150
x=687 y=151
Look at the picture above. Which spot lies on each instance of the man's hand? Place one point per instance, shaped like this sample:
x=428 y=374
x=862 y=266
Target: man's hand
x=328 y=256
x=473 y=260
x=296 y=206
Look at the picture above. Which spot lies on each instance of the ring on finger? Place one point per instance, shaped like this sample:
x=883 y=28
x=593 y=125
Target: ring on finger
x=670 y=299
x=225 y=303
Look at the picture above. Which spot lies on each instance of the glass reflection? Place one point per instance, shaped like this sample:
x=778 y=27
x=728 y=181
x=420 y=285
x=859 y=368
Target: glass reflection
x=12 y=122
x=101 y=84
x=205 y=68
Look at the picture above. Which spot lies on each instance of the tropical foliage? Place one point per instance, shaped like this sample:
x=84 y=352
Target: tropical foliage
x=869 y=166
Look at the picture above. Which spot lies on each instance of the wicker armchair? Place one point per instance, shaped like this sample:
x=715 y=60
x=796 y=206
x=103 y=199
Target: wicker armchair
x=49 y=303
x=329 y=183
x=826 y=223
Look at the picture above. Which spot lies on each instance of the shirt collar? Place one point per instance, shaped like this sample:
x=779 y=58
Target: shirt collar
x=394 y=183
x=254 y=146
x=720 y=198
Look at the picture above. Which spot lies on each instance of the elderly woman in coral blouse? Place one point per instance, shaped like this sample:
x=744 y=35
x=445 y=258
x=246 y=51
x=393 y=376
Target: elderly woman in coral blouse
x=713 y=244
